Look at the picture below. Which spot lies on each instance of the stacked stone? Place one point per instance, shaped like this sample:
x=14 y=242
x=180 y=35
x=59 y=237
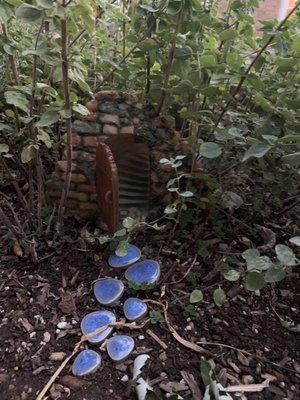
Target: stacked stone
x=108 y=117
x=114 y=114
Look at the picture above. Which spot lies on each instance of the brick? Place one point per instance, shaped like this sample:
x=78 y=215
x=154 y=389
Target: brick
x=87 y=188
x=110 y=130
x=136 y=121
x=85 y=156
x=92 y=105
x=128 y=129
x=109 y=119
x=78 y=196
x=62 y=165
x=57 y=185
x=90 y=141
x=93 y=117
x=86 y=128
x=107 y=95
x=94 y=197
x=77 y=178
x=76 y=140
x=89 y=206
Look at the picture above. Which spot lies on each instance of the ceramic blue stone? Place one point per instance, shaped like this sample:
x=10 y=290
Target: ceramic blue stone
x=143 y=272
x=86 y=362
x=134 y=308
x=96 y=320
x=119 y=347
x=108 y=290
x=132 y=256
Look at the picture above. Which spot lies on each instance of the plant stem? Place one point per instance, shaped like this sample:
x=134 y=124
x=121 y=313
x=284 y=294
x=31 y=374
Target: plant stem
x=66 y=91
x=169 y=64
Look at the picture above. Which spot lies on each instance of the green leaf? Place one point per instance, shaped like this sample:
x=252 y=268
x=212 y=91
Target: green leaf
x=183 y=52
x=210 y=150
x=274 y=274
x=130 y=223
x=257 y=151
x=4 y=148
x=254 y=281
x=296 y=44
x=122 y=248
x=285 y=64
x=206 y=372
x=147 y=45
x=255 y=261
x=27 y=154
x=120 y=232
x=17 y=99
x=285 y=255
x=228 y=34
x=208 y=61
x=28 y=13
x=292 y=159
x=186 y=194
x=196 y=296
x=288 y=323
x=219 y=297
x=229 y=273
x=45 y=3
x=45 y=138
x=48 y=118
x=231 y=200
x=295 y=240
x=80 y=109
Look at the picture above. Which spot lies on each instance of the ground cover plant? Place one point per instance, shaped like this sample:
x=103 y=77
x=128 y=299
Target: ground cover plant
x=223 y=316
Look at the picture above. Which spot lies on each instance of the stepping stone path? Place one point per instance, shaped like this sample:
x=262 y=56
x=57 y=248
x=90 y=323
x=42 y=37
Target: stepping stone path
x=108 y=291
x=86 y=363
x=133 y=255
x=119 y=347
x=96 y=320
x=134 y=309
x=145 y=272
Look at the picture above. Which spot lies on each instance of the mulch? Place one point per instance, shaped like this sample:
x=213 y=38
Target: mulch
x=35 y=298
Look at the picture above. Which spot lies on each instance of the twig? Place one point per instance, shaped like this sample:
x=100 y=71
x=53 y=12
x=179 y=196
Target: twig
x=186 y=274
x=83 y=339
x=157 y=339
x=288 y=208
x=243 y=78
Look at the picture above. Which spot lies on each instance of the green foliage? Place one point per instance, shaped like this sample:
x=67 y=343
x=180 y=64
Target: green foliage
x=156 y=317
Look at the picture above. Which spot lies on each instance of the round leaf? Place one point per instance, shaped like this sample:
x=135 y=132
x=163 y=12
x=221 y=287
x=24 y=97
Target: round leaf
x=28 y=13
x=219 y=297
x=295 y=240
x=254 y=281
x=275 y=274
x=285 y=255
x=210 y=150
x=257 y=151
x=196 y=296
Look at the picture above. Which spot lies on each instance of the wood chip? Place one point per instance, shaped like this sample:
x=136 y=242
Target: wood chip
x=26 y=325
x=191 y=381
x=157 y=339
x=255 y=387
x=73 y=383
x=58 y=356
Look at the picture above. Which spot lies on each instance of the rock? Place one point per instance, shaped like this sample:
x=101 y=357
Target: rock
x=92 y=105
x=58 y=356
x=107 y=95
x=87 y=362
x=108 y=107
x=128 y=130
x=88 y=128
x=143 y=272
x=132 y=256
x=108 y=290
x=96 y=320
x=110 y=130
x=134 y=309
x=119 y=347
x=110 y=119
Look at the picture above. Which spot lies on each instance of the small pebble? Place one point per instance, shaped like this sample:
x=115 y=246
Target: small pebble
x=141 y=337
x=125 y=378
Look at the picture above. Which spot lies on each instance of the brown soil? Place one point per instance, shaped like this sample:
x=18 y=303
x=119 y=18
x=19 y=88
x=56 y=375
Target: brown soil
x=246 y=321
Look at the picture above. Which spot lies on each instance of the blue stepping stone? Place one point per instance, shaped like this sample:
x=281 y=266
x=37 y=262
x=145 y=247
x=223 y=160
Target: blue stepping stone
x=132 y=256
x=119 y=347
x=86 y=363
x=146 y=272
x=134 y=308
x=108 y=290
x=96 y=320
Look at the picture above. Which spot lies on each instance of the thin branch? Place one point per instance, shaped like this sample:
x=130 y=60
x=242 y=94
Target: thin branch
x=243 y=78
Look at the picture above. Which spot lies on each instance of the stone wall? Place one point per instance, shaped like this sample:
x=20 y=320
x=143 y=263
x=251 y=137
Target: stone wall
x=114 y=115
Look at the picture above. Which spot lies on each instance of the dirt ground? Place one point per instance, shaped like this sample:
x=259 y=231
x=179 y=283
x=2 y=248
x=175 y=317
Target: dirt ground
x=35 y=298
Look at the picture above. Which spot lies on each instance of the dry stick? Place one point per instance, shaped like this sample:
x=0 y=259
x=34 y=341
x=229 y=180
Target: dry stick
x=65 y=79
x=242 y=80
x=83 y=339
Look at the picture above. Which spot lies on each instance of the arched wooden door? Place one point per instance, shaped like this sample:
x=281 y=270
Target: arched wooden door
x=107 y=187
